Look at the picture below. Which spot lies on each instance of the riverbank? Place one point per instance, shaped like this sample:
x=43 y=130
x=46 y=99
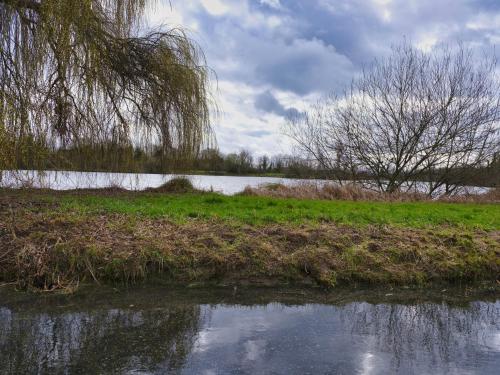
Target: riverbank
x=61 y=240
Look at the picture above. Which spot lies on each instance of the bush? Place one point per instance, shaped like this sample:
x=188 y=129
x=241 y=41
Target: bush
x=175 y=185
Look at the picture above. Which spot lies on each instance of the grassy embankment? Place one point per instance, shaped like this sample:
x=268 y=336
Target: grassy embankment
x=59 y=240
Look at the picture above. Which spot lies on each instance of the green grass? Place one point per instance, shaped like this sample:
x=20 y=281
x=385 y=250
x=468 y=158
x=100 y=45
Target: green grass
x=59 y=239
x=263 y=210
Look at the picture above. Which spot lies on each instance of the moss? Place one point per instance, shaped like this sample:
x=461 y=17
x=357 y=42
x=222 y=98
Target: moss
x=328 y=279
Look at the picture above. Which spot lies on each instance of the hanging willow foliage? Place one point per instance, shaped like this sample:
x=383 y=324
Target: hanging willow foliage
x=82 y=73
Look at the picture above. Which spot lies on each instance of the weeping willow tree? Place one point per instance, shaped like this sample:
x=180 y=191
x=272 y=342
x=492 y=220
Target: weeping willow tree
x=82 y=73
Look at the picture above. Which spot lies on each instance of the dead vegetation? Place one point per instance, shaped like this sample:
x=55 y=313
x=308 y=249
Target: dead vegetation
x=175 y=185
x=492 y=196
x=46 y=249
x=353 y=192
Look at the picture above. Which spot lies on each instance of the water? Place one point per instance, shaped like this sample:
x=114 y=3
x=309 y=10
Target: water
x=153 y=331
x=65 y=180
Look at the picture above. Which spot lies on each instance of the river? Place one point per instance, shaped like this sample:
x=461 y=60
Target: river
x=156 y=331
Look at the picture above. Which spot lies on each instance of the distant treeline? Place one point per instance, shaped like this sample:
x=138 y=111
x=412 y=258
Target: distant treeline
x=111 y=157
x=115 y=158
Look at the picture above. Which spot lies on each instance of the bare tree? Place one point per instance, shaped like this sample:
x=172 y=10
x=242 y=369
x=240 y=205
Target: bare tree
x=263 y=163
x=411 y=117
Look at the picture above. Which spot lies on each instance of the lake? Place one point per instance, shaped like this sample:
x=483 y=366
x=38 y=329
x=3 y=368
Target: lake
x=158 y=331
x=66 y=180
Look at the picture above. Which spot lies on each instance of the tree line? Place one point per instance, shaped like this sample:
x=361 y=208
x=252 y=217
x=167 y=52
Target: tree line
x=109 y=157
x=113 y=158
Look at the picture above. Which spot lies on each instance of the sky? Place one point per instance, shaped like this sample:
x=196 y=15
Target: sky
x=273 y=58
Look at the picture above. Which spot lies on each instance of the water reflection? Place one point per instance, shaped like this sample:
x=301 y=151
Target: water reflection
x=66 y=180
x=167 y=335
x=101 y=341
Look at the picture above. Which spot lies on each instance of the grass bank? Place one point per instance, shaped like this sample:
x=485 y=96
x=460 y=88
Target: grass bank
x=257 y=210
x=53 y=240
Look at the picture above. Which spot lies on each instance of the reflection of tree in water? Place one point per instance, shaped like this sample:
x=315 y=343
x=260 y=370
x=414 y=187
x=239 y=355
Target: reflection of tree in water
x=104 y=341
x=414 y=338
x=437 y=331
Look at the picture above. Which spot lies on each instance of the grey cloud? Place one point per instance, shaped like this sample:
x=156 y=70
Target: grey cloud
x=315 y=47
x=268 y=103
x=257 y=133
x=321 y=44
x=357 y=30
x=304 y=66
x=276 y=57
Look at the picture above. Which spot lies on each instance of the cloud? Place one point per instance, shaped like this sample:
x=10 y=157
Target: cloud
x=215 y=7
x=257 y=133
x=303 y=66
x=272 y=3
x=272 y=55
x=241 y=126
x=268 y=103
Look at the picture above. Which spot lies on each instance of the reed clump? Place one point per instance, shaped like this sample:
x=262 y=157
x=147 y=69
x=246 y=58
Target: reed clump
x=491 y=196
x=354 y=192
x=175 y=185
x=350 y=192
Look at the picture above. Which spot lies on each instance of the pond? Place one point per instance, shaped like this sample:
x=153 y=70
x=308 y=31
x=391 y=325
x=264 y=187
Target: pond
x=66 y=180
x=158 y=331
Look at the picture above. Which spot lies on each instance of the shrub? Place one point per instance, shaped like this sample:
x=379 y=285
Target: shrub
x=175 y=185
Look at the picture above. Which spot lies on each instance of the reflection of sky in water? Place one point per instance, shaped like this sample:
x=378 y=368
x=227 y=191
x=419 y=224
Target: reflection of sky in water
x=493 y=343
x=277 y=339
x=62 y=180
x=357 y=338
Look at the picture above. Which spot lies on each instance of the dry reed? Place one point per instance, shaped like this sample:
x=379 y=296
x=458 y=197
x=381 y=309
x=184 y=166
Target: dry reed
x=353 y=192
